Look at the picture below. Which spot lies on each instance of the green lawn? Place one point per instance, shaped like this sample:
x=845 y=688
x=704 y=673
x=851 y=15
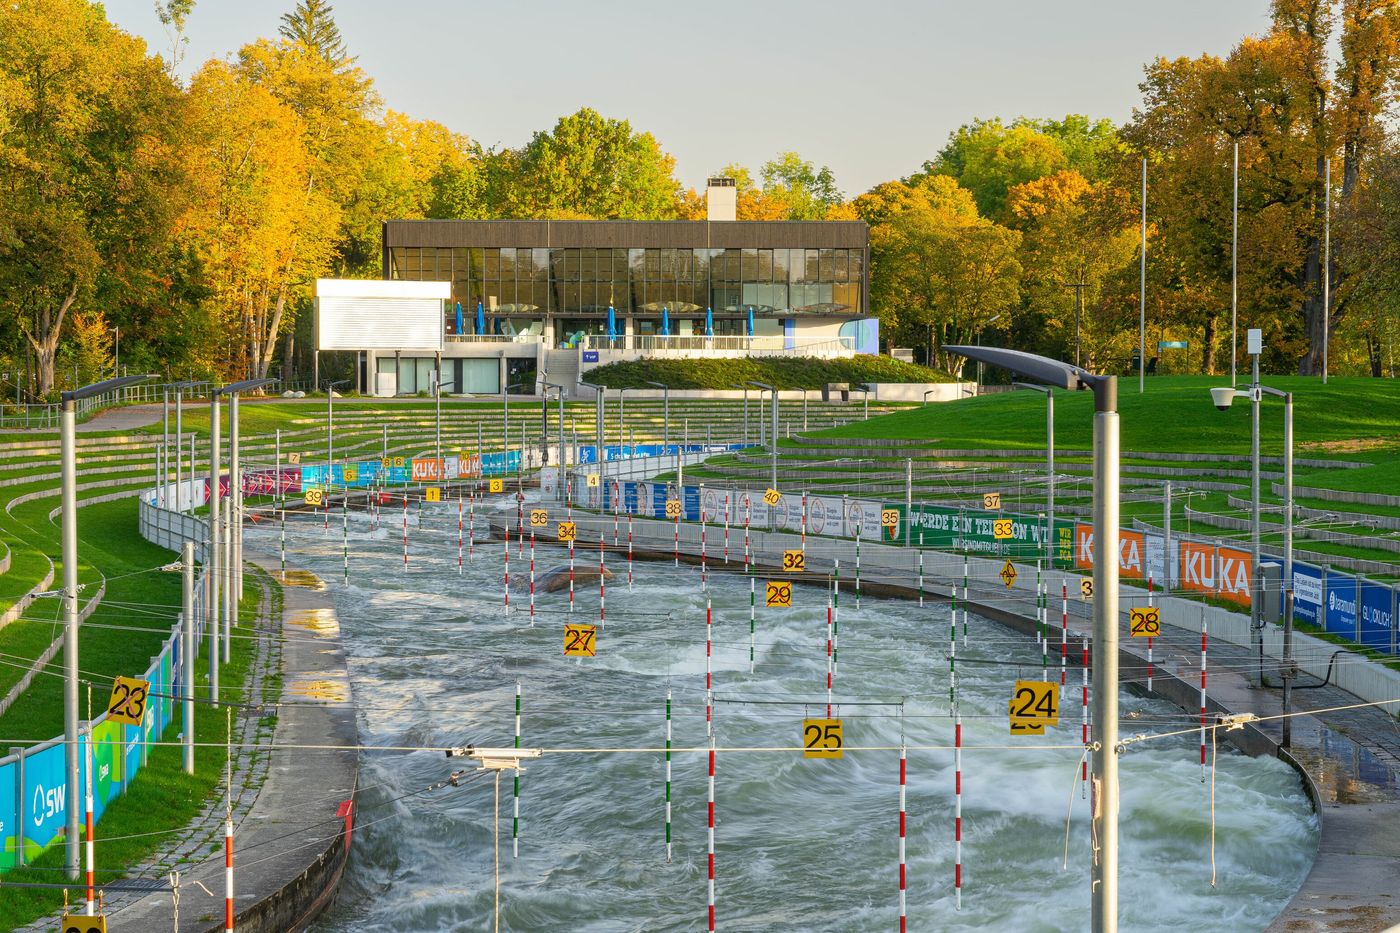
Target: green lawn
x=780 y=372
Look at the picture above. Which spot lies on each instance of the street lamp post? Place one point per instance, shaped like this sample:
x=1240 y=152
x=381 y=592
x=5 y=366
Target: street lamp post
x=1104 y=665
x=1255 y=392
x=1049 y=467
x=69 y=471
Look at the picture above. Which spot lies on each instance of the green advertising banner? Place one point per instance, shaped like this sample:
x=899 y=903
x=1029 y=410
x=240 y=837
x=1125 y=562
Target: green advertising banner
x=950 y=529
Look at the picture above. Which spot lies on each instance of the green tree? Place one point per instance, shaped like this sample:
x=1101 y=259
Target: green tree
x=173 y=14
x=989 y=158
x=807 y=191
x=311 y=26
x=588 y=165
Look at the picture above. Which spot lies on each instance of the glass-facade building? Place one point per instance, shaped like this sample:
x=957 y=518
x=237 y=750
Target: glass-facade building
x=555 y=280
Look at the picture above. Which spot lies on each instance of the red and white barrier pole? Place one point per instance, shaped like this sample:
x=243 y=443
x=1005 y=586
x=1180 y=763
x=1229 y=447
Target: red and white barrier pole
x=709 y=682
x=1149 y=637
x=405 y=532
x=629 y=552
x=602 y=583
x=804 y=524
x=532 y=574
x=571 y=570
x=748 y=515
x=1064 y=629
x=1084 y=718
x=903 y=880
x=726 y=527
x=228 y=870
x=828 y=654
x=1203 y=695
x=471 y=529
x=616 y=495
x=711 y=809
x=704 y=581
x=506 y=581
x=87 y=808
x=459 y=535
x=957 y=812
x=676 y=557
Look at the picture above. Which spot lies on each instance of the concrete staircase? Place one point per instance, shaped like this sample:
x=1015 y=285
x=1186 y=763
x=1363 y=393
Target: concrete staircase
x=561 y=368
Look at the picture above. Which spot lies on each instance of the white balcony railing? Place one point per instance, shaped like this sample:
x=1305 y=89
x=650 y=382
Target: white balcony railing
x=691 y=343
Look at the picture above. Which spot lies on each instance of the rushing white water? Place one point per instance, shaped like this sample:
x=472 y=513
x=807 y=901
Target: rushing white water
x=801 y=844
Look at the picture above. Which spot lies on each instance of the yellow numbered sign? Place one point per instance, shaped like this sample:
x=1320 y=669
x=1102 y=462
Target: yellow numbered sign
x=568 y=531
x=1086 y=588
x=1003 y=528
x=579 y=641
x=1145 y=622
x=1036 y=701
x=772 y=496
x=991 y=500
x=128 y=702
x=673 y=508
x=1008 y=574
x=1022 y=726
x=75 y=923
x=313 y=497
x=821 y=738
x=385 y=462
x=593 y=480
x=399 y=462
x=889 y=518
x=294 y=458
x=539 y=518
x=496 y=485
x=778 y=594
x=796 y=561
x=432 y=494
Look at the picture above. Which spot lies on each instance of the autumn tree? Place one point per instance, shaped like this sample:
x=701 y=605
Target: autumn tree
x=945 y=271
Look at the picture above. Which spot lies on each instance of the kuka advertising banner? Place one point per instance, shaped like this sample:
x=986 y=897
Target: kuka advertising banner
x=426 y=469
x=1132 y=551
x=1236 y=570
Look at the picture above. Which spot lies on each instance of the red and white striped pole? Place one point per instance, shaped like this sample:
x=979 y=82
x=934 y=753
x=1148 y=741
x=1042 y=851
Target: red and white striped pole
x=471 y=529
x=602 y=583
x=709 y=682
x=520 y=523
x=957 y=812
x=711 y=809
x=748 y=514
x=677 y=553
x=506 y=581
x=571 y=570
x=405 y=533
x=459 y=535
x=704 y=581
x=1084 y=718
x=726 y=527
x=87 y=807
x=532 y=574
x=903 y=880
x=228 y=870
x=616 y=495
x=1203 y=695
x=804 y=524
x=629 y=552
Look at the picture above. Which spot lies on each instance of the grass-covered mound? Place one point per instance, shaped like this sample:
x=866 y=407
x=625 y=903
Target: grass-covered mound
x=802 y=372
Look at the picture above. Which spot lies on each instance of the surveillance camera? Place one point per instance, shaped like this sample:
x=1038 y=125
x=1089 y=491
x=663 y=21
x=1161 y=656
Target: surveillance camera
x=1222 y=398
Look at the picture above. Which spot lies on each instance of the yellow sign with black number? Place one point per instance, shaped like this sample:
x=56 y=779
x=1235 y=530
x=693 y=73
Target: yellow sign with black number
x=593 y=480
x=496 y=485
x=796 y=561
x=1008 y=574
x=991 y=500
x=539 y=518
x=1145 y=622
x=313 y=497
x=821 y=738
x=1022 y=726
x=568 y=531
x=432 y=494
x=399 y=462
x=1036 y=701
x=128 y=702
x=777 y=594
x=384 y=462
x=77 y=923
x=351 y=473
x=889 y=518
x=294 y=458
x=772 y=496
x=673 y=508
x=1003 y=528
x=579 y=641
x=1086 y=587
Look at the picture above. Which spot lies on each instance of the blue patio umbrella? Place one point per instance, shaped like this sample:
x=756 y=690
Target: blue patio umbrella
x=709 y=322
x=612 y=324
x=665 y=322
x=458 y=328
x=480 y=319
x=750 y=321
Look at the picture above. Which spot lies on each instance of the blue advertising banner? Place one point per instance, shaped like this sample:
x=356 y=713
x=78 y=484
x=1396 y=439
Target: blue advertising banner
x=106 y=765
x=658 y=499
x=1341 y=604
x=45 y=798
x=9 y=819
x=629 y=497
x=1307 y=594
x=691 y=500
x=1376 y=615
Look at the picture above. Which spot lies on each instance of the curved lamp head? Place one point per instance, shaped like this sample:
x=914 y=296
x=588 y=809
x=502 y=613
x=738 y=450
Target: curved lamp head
x=1222 y=397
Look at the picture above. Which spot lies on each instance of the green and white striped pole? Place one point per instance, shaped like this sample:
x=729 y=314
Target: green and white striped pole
x=668 y=776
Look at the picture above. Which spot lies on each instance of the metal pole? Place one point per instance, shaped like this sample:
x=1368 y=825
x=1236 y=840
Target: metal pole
x=165 y=442
x=235 y=491
x=1104 y=808
x=1234 y=263
x=187 y=651
x=908 y=496
x=746 y=416
x=437 y=413
x=1254 y=614
x=1167 y=566
x=772 y=512
x=179 y=450
x=563 y=461
x=1286 y=671
x=1288 y=491
x=1050 y=477
x=214 y=584
x=70 y=628
x=1142 y=289
x=1326 y=262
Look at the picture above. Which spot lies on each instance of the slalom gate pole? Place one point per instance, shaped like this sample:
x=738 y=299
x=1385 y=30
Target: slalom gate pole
x=1084 y=719
x=957 y=812
x=752 y=601
x=704 y=581
x=921 y=578
x=903 y=884
x=726 y=528
x=505 y=587
x=709 y=682
x=1064 y=629
x=602 y=582
x=629 y=552
x=828 y=655
x=1149 y=637
x=668 y=776
x=515 y=818
x=1203 y=694
x=836 y=615
x=345 y=536
x=459 y=534
x=405 y=534
x=711 y=853
x=532 y=574
x=571 y=570
x=471 y=528
x=858 y=536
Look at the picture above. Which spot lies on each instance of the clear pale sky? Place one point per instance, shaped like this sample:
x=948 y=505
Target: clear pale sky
x=870 y=88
